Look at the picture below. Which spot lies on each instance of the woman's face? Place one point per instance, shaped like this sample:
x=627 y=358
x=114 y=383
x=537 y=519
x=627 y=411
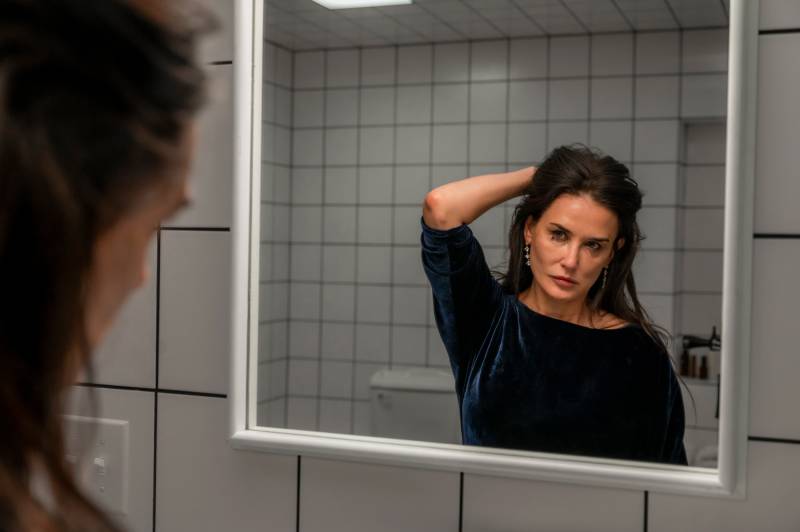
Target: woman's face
x=572 y=241
x=119 y=264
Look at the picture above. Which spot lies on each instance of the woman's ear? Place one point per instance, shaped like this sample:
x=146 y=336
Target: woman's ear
x=527 y=231
x=620 y=243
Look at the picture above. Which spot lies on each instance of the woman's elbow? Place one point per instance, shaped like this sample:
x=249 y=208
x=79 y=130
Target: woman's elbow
x=435 y=211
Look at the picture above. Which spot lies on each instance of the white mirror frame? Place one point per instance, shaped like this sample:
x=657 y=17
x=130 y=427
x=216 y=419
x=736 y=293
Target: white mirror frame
x=728 y=480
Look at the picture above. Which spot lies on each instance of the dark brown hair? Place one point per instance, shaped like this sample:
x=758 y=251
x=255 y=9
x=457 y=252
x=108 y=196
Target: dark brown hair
x=95 y=99
x=578 y=169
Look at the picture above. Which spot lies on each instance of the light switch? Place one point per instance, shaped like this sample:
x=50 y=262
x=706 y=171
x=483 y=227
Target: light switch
x=98 y=450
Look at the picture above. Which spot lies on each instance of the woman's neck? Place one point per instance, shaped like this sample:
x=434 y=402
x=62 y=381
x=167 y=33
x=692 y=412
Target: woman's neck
x=574 y=311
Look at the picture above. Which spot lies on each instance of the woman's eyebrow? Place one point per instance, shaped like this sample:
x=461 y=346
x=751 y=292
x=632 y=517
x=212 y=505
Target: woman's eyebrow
x=596 y=239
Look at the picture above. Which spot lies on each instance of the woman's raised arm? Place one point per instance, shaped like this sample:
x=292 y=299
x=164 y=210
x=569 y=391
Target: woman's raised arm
x=462 y=201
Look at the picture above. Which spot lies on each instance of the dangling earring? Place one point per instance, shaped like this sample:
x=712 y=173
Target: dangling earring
x=527 y=255
x=605 y=275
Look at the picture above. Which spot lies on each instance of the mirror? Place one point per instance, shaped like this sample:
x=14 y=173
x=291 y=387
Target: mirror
x=362 y=111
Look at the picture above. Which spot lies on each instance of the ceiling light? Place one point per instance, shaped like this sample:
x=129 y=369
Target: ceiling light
x=346 y=4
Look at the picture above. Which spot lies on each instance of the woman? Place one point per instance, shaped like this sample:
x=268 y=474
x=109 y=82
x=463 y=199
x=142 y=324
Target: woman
x=97 y=100
x=559 y=356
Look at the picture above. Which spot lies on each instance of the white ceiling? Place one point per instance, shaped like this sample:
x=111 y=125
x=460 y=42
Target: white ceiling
x=303 y=24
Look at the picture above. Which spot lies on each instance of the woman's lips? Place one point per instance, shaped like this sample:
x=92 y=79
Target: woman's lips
x=563 y=281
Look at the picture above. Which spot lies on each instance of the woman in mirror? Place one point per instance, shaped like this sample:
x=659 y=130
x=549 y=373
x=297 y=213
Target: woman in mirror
x=97 y=105
x=557 y=356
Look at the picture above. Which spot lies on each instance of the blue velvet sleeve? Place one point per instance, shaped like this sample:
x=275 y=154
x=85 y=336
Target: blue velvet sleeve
x=673 y=450
x=465 y=295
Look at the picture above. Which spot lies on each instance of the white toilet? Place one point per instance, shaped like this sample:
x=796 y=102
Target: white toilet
x=414 y=404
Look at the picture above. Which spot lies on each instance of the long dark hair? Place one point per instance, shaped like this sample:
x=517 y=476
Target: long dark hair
x=578 y=169
x=95 y=97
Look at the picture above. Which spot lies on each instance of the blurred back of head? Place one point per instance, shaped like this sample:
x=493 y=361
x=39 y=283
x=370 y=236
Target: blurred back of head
x=95 y=97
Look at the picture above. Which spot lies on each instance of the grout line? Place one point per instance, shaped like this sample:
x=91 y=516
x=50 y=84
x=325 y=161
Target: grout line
x=216 y=229
x=777 y=236
x=155 y=395
x=297 y=520
x=773 y=440
x=326 y=91
x=288 y=284
x=646 y=509
x=461 y=502
x=153 y=390
x=780 y=31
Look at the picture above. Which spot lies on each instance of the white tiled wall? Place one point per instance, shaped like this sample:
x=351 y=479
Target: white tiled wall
x=202 y=484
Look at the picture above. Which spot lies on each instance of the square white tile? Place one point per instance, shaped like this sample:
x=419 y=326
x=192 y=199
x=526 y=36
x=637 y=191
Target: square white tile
x=372 y=343
x=374 y=225
x=656 y=140
x=307 y=147
x=305 y=260
x=530 y=505
x=778 y=115
x=376 y=145
x=308 y=108
x=341 y=107
x=487 y=143
x=127 y=354
x=194 y=324
x=341 y=68
x=414 y=64
x=612 y=54
x=657 y=96
x=488 y=102
x=229 y=488
x=414 y=105
x=374 y=264
x=569 y=56
x=309 y=70
x=341 y=185
x=612 y=98
x=411 y=184
x=372 y=304
x=450 y=103
x=211 y=170
x=488 y=60
x=614 y=138
x=375 y=184
x=338 y=302
x=449 y=144
x=773 y=363
x=528 y=58
x=526 y=142
x=772 y=473
x=704 y=96
x=705 y=50
x=305 y=299
x=377 y=106
x=658 y=52
x=451 y=62
x=338 y=263
x=569 y=99
x=378 y=65
x=527 y=100
x=335 y=495
x=341 y=146
x=413 y=145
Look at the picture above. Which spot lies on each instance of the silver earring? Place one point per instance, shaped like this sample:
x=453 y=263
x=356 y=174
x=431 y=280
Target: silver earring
x=527 y=255
x=605 y=275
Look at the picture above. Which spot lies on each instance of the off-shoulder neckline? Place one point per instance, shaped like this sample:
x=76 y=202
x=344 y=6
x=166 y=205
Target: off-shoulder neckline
x=519 y=303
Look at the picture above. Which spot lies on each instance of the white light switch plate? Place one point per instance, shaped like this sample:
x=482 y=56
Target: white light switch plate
x=98 y=450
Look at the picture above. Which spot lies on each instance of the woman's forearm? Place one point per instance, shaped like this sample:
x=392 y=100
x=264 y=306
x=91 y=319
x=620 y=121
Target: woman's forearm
x=464 y=200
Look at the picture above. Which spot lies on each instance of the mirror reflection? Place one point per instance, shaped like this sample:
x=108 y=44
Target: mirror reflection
x=366 y=326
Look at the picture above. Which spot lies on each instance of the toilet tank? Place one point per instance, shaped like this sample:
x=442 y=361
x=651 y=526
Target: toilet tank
x=414 y=404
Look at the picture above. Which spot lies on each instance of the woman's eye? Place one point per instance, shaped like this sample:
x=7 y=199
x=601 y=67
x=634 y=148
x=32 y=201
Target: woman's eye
x=558 y=235
x=594 y=245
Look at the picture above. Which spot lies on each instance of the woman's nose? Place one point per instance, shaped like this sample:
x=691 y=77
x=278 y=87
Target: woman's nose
x=570 y=259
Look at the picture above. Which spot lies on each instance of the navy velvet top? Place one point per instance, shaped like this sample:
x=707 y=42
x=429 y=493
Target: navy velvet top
x=528 y=381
